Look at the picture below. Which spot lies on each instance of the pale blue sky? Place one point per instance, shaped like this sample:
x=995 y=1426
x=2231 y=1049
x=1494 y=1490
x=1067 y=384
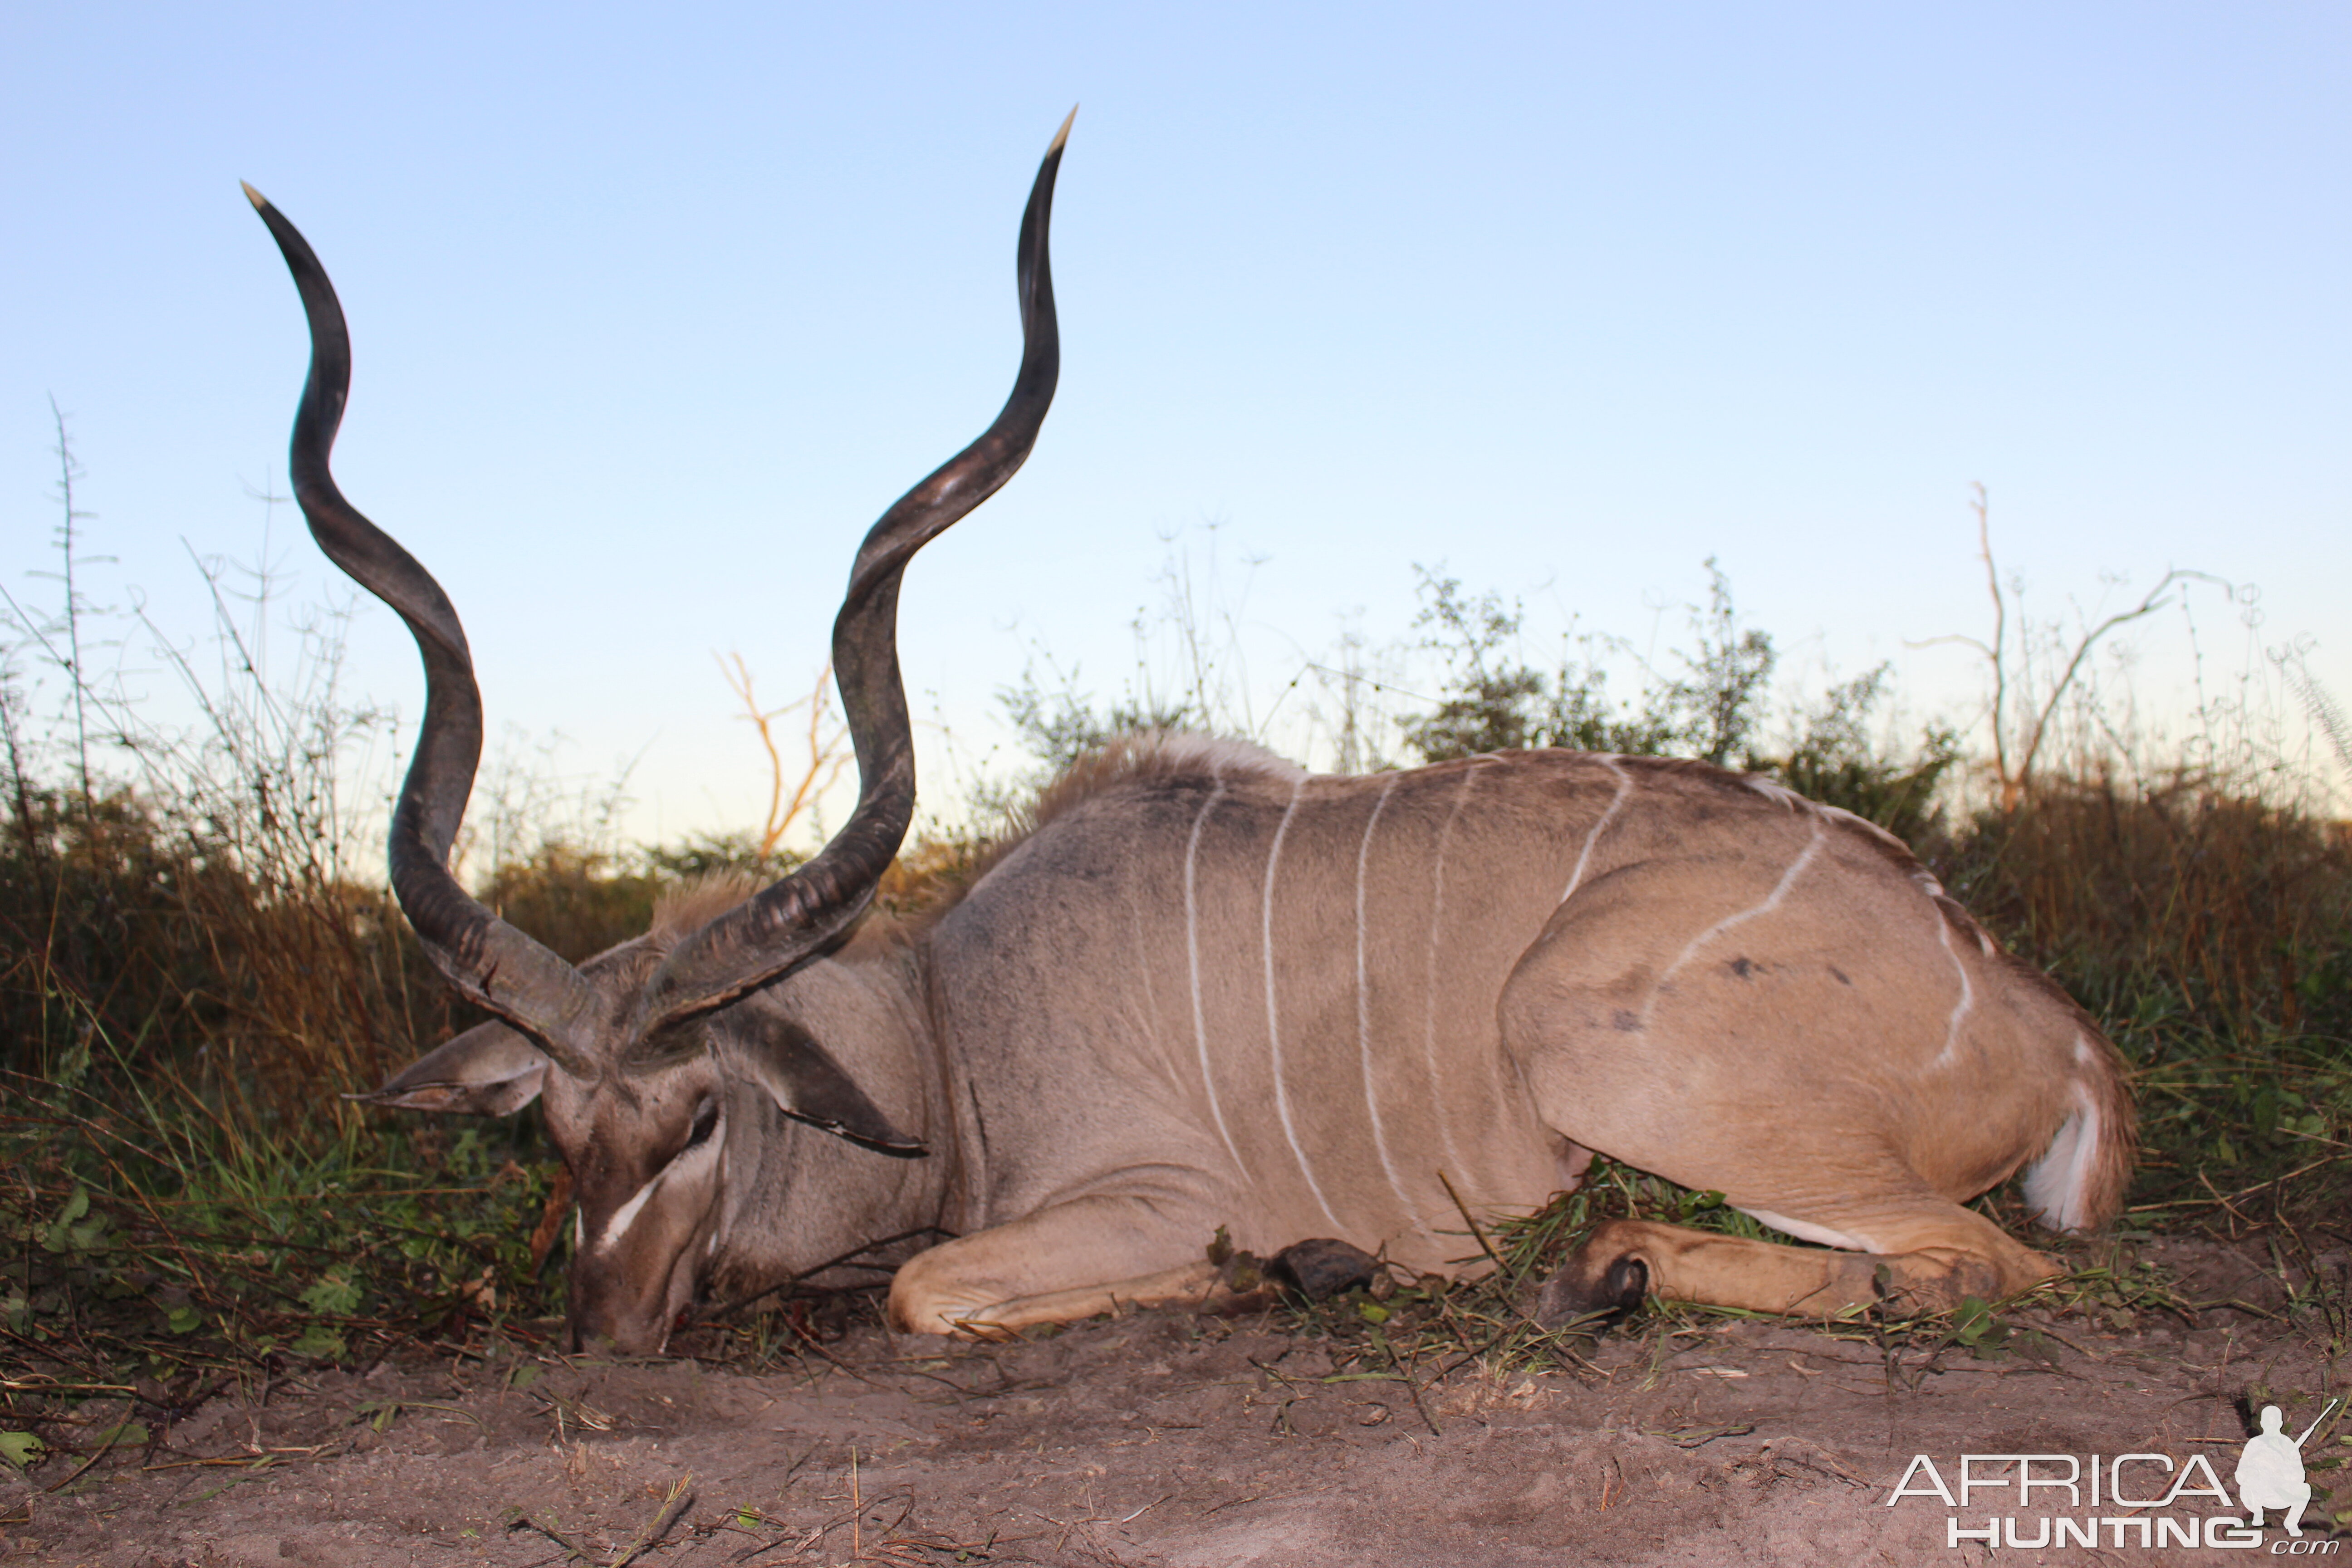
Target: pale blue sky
x=653 y=312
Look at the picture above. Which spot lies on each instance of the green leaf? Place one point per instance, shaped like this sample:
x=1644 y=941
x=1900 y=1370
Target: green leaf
x=334 y=1296
x=318 y=1342
x=128 y=1434
x=21 y=1450
x=1372 y=1312
x=1699 y=1202
x=1971 y=1321
x=1975 y=1327
x=184 y=1320
x=59 y=1237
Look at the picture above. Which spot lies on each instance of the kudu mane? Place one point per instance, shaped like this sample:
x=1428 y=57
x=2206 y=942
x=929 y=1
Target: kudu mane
x=688 y=907
x=1141 y=757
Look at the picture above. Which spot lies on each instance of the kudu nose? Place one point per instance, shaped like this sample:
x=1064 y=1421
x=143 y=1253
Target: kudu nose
x=613 y=1314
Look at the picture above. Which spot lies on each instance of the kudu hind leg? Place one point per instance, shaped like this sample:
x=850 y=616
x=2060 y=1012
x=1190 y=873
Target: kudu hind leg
x=1929 y=1258
x=1741 y=1028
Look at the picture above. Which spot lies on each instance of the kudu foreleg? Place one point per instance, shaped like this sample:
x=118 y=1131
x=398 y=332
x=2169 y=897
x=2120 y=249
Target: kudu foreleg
x=1189 y=1285
x=1070 y=1261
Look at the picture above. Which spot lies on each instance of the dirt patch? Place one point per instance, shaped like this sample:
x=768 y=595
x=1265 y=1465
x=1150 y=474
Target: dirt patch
x=1172 y=1440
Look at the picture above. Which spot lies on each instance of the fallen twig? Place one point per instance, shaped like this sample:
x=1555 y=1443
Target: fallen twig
x=571 y=1551
x=679 y=1499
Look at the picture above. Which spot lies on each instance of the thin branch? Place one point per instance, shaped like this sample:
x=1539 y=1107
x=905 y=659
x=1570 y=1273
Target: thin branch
x=827 y=748
x=2148 y=605
x=1983 y=506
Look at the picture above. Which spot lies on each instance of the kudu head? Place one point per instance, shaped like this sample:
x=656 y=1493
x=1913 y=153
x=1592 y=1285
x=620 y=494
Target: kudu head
x=636 y=1053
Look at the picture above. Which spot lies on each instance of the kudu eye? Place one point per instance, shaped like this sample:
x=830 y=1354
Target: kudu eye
x=705 y=1122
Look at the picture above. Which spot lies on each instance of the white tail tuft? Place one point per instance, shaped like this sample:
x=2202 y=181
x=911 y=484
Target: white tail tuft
x=2058 y=1185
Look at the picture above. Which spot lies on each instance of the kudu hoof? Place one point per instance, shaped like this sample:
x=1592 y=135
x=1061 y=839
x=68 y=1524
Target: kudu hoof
x=1586 y=1288
x=1323 y=1267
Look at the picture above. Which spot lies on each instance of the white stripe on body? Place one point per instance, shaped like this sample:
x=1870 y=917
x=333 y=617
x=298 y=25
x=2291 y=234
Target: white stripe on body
x=1436 y=1099
x=1192 y=947
x=1960 y=1008
x=1273 y=1010
x=1364 y=1022
x=1771 y=901
x=1584 y=857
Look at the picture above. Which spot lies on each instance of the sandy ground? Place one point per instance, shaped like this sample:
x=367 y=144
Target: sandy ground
x=1176 y=1440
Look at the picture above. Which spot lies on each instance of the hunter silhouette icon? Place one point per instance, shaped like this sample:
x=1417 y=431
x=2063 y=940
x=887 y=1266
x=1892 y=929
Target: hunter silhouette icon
x=2270 y=1470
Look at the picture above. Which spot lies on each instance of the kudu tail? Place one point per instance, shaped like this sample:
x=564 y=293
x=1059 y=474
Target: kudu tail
x=2078 y=1182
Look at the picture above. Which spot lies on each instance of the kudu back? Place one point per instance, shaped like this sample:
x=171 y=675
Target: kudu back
x=1206 y=989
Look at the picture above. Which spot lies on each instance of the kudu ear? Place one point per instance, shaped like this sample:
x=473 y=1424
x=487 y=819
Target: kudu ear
x=491 y=1069
x=808 y=1085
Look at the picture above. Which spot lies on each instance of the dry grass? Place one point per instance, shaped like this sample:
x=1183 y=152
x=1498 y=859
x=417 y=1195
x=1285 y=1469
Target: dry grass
x=2219 y=912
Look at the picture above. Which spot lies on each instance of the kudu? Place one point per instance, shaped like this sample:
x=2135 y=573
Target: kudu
x=1208 y=989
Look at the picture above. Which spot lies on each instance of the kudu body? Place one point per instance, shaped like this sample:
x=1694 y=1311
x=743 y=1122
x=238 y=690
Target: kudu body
x=1207 y=989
